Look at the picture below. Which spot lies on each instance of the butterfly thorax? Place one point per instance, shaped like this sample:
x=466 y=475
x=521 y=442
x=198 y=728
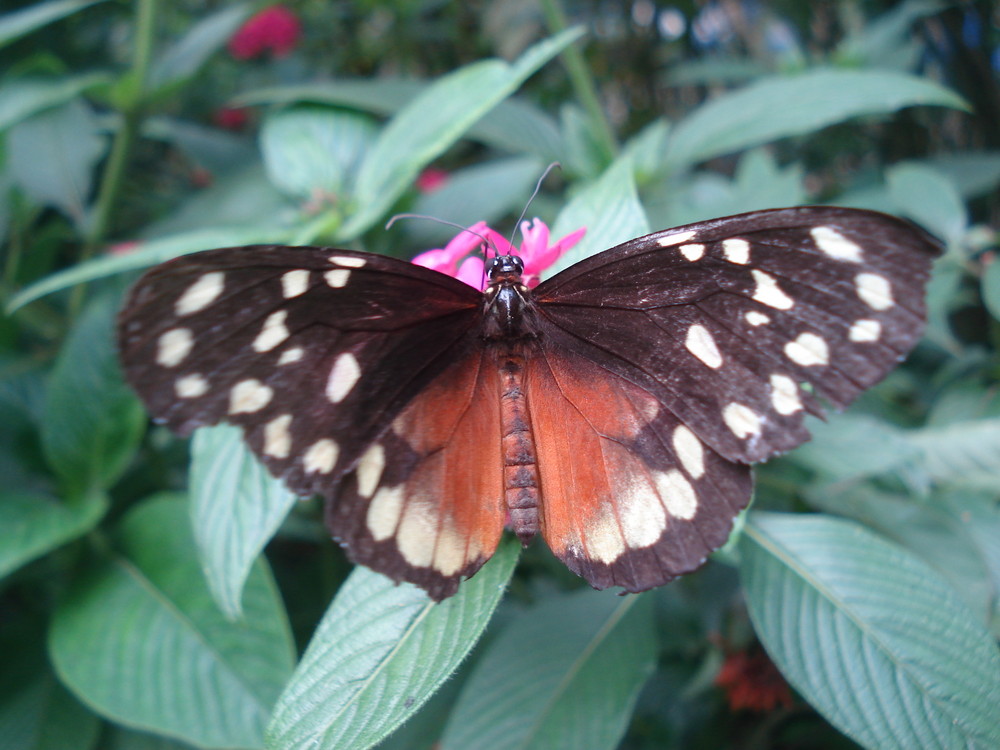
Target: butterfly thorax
x=508 y=311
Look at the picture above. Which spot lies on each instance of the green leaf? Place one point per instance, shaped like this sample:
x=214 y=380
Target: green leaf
x=379 y=653
x=433 y=121
x=184 y=58
x=36 y=712
x=870 y=635
x=92 y=422
x=610 y=210
x=962 y=454
x=20 y=99
x=514 y=126
x=315 y=152
x=236 y=507
x=486 y=191
x=850 y=446
x=35 y=524
x=782 y=106
x=991 y=289
x=927 y=197
x=973 y=173
x=564 y=674
x=144 y=254
x=22 y=22
x=52 y=155
x=140 y=640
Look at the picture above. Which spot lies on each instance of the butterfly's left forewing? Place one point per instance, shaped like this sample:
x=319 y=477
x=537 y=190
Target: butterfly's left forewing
x=312 y=351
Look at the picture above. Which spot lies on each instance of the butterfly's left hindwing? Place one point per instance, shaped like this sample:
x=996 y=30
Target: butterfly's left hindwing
x=313 y=352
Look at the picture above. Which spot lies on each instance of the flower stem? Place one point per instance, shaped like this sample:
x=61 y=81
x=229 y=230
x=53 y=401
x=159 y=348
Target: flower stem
x=132 y=110
x=581 y=80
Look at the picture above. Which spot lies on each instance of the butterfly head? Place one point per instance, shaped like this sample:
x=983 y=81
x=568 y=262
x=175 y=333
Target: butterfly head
x=505 y=269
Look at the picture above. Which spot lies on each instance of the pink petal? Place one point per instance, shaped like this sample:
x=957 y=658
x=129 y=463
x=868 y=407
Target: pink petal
x=471 y=272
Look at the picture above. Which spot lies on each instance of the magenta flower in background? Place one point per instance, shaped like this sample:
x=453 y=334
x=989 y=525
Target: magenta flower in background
x=275 y=29
x=535 y=251
x=431 y=179
x=230 y=118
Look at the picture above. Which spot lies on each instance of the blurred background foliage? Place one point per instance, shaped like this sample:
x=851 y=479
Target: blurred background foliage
x=858 y=603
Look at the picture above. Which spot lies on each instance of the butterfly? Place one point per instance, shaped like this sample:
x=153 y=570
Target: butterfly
x=614 y=409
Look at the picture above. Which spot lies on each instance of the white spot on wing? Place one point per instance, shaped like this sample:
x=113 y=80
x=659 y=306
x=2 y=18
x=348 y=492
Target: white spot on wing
x=755 y=318
x=417 y=533
x=343 y=375
x=347 y=261
x=291 y=355
x=808 y=350
x=384 y=511
x=677 y=493
x=785 y=395
x=675 y=239
x=736 y=251
x=742 y=420
x=201 y=293
x=642 y=514
x=277 y=438
x=692 y=252
x=294 y=283
x=874 y=290
x=249 y=396
x=173 y=346
x=865 y=330
x=836 y=245
x=191 y=386
x=337 y=278
x=321 y=457
x=273 y=333
x=769 y=293
x=701 y=344
x=689 y=450
x=603 y=535
x=449 y=554
x=370 y=469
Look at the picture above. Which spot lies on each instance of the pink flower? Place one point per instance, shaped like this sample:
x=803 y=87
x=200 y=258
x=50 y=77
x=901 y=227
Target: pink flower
x=535 y=251
x=230 y=118
x=275 y=28
x=431 y=179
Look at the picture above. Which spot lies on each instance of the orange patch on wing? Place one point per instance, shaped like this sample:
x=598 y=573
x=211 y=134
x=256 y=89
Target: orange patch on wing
x=452 y=504
x=599 y=499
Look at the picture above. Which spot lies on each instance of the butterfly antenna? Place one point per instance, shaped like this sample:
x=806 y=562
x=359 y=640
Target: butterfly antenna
x=538 y=187
x=437 y=220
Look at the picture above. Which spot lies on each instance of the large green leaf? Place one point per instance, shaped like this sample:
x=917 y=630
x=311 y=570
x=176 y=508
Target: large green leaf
x=965 y=454
x=380 y=652
x=183 y=58
x=35 y=524
x=781 y=106
x=314 y=152
x=433 y=121
x=870 y=635
x=140 y=640
x=144 y=254
x=236 y=507
x=21 y=22
x=20 y=99
x=926 y=196
x=610 y=210
x=52 y=156
x=564 y=674
x=93 y=422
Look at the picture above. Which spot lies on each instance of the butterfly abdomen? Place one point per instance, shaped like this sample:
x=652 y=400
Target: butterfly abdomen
x=520 y=464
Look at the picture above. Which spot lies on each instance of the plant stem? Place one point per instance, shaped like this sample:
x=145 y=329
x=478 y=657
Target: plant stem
x=132 y=111
x=581 y=80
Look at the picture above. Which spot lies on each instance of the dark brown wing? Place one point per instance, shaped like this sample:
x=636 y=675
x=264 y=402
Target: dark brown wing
x=312 y=351
x=733 y=324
